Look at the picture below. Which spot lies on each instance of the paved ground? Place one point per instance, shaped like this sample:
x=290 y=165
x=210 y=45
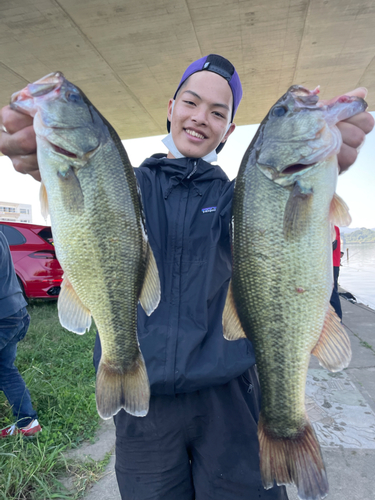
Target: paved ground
x=341 y=407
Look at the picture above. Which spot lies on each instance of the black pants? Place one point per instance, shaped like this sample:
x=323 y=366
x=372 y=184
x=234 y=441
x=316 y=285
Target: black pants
x=335 y=297
x=202 y=445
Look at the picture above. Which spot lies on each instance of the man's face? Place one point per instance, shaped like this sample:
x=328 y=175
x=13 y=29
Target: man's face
x=201 y=114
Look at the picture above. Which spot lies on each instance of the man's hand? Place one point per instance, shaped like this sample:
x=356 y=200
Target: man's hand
x=353 y=133
x=18 y=141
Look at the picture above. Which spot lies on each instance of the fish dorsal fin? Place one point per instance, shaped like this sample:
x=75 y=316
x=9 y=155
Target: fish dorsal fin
x=339 y=212
x=232 y=327
x=297 y=210
x=333 y=347
x=73 y=315
x=150 y=294
x=43 y=197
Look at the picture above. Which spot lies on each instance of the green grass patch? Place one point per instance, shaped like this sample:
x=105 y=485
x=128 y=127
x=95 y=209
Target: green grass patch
x=57 y=368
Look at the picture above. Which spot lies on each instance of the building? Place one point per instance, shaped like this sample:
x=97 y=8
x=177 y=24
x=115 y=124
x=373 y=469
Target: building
x=15 y=212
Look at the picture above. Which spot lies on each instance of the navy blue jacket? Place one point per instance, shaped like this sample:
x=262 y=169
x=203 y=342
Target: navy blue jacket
x=187 y=203
x=11 y=297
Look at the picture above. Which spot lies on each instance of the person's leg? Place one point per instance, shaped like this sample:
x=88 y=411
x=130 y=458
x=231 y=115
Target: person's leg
x=152 y=462
x=97 y=354
x=335 y=297
x=225 y=448
x=12 y=330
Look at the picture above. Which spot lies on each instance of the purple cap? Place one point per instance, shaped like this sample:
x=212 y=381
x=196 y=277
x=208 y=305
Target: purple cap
x=221 y=66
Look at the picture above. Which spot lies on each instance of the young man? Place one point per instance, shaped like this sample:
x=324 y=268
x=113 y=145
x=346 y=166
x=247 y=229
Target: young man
x=199 y=439
x=14 y=323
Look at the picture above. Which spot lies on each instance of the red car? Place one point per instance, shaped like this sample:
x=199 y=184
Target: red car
x=34 y=258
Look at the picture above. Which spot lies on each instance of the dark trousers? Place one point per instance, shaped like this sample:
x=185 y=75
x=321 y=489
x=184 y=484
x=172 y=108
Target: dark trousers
x=196 y=446
x=12 y=330
x=335 y=297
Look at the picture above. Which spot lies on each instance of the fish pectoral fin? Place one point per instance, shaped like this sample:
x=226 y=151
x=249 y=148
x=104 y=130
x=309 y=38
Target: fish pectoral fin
x=150 y=294
x=333 y=348
x=292 y=459
x=71 y=191
x=232 y=327
x=339 y=212
x=73 y=315
x=126 y=388
x=43 y=197
x=297 y=210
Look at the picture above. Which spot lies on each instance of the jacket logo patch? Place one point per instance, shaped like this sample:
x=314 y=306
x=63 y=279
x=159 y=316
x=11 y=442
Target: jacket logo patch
x=209 y=209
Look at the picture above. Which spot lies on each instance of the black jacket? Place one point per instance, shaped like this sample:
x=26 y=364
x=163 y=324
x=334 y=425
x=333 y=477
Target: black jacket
x=187 y=203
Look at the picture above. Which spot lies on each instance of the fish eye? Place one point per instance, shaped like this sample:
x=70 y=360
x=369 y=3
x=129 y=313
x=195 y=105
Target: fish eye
x=279 y=111
x=72 y=97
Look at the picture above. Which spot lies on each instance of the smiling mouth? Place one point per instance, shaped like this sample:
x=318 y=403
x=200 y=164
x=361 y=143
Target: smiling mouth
x=194 y=134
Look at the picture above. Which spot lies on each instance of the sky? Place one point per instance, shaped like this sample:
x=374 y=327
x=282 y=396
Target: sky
x=356 y=186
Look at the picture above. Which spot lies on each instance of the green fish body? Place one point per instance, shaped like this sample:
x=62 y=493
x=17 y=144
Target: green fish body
x=91 y=193
x=283 y=209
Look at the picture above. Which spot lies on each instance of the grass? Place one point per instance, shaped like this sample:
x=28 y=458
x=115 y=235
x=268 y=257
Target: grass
x=57 y=368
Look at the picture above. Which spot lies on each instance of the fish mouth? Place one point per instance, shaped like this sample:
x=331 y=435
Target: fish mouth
x=39 y=88
x=287 y=174
x=62 y=151
x=296 y=168
x=46 y=84
x=70 y=154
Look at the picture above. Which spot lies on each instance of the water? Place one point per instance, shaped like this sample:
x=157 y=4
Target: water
x=357 y=275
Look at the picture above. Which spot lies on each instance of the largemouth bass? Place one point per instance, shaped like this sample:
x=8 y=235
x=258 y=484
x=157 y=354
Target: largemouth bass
x=90 y=190
x=283 y=209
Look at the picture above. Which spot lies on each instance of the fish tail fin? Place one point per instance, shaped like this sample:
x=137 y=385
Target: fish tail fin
x=297 y=461
x=118 y=387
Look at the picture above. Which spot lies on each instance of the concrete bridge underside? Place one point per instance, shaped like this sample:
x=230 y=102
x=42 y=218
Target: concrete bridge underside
x=128 y=55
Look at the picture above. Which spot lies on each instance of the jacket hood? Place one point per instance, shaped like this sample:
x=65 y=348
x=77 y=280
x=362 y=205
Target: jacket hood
x=182 y=170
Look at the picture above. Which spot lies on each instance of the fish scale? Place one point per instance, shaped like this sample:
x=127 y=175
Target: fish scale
x=285 y=335
x=90 y=190
x=283 y=207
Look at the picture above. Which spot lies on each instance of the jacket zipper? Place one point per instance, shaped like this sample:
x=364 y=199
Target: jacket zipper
x=193 y=171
